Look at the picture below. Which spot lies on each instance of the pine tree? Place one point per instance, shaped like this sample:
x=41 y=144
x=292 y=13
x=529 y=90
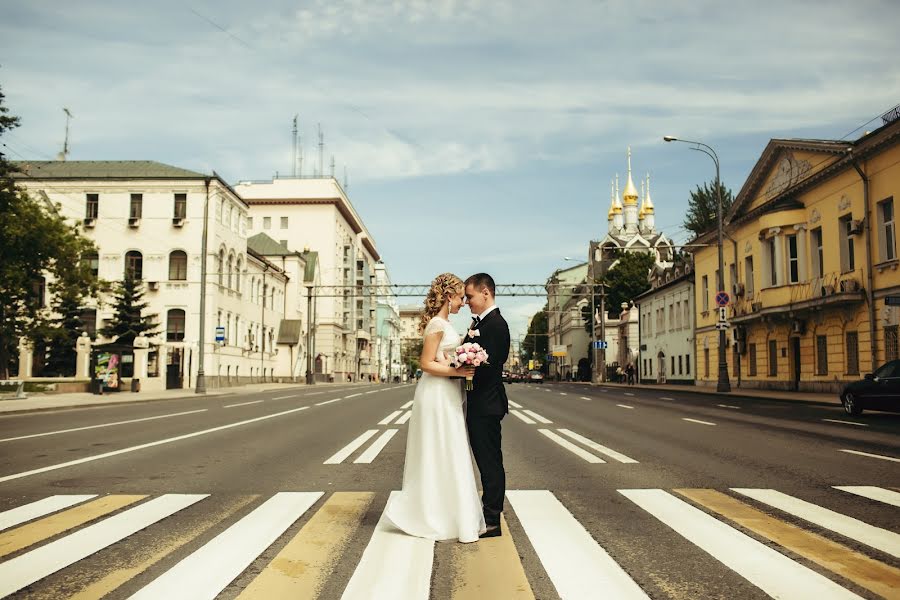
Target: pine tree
x=129 y=320
x=701 y=213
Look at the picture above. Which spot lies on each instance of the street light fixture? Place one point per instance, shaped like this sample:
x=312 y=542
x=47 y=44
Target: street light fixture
x=723 y=384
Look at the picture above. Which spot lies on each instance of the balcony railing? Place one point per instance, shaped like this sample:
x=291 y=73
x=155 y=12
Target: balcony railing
x=830 y=289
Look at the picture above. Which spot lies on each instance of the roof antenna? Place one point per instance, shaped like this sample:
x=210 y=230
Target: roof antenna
x=294 y=154
x=321 y=152
x=332 y=166
x=65 y=151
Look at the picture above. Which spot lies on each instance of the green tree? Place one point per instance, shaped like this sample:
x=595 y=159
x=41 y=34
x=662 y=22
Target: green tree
x=624 y=282
x=701 y=213
x=129 y=320
x=410 y=353
x=534 y=346
x=36 y=243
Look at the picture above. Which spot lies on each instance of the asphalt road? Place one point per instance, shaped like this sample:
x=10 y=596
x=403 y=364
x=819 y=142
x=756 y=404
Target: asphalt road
x=612 y=493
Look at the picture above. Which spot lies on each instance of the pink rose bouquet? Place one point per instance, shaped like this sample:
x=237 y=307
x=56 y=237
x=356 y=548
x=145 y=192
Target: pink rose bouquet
x=469 y=354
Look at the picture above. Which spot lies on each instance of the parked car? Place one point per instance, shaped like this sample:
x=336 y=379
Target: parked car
x=507 y=378
x=536 y=377
x=876 y=391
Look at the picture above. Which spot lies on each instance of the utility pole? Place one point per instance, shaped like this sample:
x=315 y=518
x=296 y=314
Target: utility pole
x=201 y=375
x=310 y=378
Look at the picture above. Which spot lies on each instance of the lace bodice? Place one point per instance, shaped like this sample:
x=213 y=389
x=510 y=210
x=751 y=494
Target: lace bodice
x=449 y=342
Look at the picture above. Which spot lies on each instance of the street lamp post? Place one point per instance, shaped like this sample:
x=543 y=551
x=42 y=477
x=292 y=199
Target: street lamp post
x=723 y=384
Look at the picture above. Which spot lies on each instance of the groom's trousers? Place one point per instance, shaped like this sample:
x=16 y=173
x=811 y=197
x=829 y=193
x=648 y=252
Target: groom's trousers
x=484 y=437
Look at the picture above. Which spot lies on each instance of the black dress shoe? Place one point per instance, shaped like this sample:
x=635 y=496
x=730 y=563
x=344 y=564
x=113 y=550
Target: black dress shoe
x=492 y=531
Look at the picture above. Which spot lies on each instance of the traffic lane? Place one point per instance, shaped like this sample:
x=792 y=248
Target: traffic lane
x=678 y=454
x=110 y=432
x=277 y=454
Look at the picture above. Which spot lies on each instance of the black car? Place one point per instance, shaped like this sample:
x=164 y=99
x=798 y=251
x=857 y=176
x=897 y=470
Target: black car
x=877 y=391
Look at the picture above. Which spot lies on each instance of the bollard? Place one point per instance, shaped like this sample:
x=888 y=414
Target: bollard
x=20 y=391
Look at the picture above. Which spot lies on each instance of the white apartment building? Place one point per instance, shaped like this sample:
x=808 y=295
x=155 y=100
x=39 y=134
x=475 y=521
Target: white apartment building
x=316 y=213
x=566 y=295
x=667 y=326
x=148 y=218
x=387 y=328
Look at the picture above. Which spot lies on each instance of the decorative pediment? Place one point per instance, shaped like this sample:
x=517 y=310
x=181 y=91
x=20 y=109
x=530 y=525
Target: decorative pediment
x=788 y=172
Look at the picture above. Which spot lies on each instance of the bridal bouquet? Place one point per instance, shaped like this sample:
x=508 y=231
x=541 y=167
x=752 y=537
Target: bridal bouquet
x=469 y=354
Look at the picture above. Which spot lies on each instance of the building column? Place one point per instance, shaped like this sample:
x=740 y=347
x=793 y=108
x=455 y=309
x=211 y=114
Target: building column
x=83 y=357
x=26 y=359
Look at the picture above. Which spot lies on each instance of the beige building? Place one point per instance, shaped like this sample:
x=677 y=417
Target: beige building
x=568 y=338
x=317 y=214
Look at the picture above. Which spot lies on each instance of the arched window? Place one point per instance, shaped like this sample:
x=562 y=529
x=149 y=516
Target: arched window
x=230 y=270
x=175 y=325
x=220 y=265
x=237 y=274
x=259 y=287
x=134 y=265
x=178 y=265
x=253 y=289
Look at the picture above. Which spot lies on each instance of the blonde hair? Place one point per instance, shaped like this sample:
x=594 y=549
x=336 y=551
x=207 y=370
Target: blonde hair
x=443 y=284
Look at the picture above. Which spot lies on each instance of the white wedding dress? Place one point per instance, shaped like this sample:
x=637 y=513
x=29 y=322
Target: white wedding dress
x=439 y=499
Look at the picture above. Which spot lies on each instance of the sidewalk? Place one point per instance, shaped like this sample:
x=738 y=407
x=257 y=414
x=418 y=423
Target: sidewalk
x=829 y=399
x=36 y=401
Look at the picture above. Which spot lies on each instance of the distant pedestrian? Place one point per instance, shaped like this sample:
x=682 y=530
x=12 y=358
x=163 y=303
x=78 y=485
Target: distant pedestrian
x=629 y=373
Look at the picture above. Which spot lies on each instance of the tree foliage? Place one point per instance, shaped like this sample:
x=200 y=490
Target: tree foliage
x=410 y=353
x=534 y=346
x=701 y=213
x=129 y=320
x=624 y=282
x=36 y=243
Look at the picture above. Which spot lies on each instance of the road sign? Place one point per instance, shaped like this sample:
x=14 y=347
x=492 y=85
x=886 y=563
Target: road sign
x=559 y=350
x=600 y=345
x=722 y=298
x=220 y=334
x=722 y=325
x=723 y=314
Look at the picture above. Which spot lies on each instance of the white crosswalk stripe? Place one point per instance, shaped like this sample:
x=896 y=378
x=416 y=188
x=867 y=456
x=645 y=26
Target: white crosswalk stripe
x=394 y=565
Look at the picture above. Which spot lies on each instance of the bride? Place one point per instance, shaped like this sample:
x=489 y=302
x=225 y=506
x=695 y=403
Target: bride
x=439 y=499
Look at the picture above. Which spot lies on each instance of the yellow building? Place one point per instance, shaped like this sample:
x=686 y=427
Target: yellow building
x=810 y=254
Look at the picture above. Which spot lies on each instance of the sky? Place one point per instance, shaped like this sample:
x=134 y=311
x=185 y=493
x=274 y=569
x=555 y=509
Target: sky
x=476 y=135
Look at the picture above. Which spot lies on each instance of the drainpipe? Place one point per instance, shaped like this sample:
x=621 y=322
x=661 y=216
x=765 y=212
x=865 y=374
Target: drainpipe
x=870 y=278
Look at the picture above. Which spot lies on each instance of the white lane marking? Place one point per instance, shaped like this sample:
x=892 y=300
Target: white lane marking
x=625 y=406
x=598 y=447
x=371 y=392
x=522 y=417
x=147 y=445
x=376 y=447
x=34 y=435
x=585 y=398
x=352 y=396
x=515 y=404
x=563 y=394
x=696 y=421
x=286 y=397
x=536 y=416
x=604 y=390
x=576 y=564
x=891 y=458
x=876 y=537
x=25 y=569
x=772 y=572
x=243 y=403
x=407 y=405
x=206 y=572
x=872 y=493
x=846 y=422
x=576 y=450
x=21 y=514
x=404 y=418
x=387 y=549
x=665 y=398
x=727 y=406
x=328 y=402
x=390 y=417
x=629 y=394
x=350 y=448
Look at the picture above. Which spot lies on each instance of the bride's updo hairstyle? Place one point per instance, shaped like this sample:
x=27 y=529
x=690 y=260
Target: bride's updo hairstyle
x=443 y=284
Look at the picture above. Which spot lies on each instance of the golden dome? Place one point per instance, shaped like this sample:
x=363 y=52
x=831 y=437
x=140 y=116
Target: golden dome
x=630 y=193
x=647 y=207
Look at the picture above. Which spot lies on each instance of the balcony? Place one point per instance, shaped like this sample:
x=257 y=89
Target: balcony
x=833 y=290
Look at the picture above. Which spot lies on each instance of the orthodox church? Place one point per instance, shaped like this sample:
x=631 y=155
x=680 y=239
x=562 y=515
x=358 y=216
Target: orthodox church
x=632 y=225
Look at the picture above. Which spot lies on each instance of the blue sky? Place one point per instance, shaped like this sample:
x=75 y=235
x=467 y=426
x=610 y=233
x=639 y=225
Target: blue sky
x=478 y=135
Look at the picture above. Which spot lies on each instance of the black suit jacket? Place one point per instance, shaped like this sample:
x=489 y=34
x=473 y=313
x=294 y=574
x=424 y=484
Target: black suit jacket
x=488 y=396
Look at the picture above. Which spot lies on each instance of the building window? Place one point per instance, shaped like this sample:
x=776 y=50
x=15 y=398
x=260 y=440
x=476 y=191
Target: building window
x=92 y=208
x=671 y=317
x=267 y=222
x=852 y=353
x=238 y=274
x=220 y=266
x=705 y=291
x=793 y=259
x=706 y=362
x=748 y=275
x=680 y=364
x=732 y=273
x=137 y=203
x=175 y=325
x=284 y=222
x=773 y=267
x=891 y=350
x=230 y=270
x=751 y=352
x=687 y=364
x=848 y=258
x=134 y=265
x=178 y=265
x=773 y=358
x=92 y=260
x=687 y=314
x=818 y=256
x=821 y=355
x=88 y=318
x=887 y=245
x=673 y=365
x=180 y=206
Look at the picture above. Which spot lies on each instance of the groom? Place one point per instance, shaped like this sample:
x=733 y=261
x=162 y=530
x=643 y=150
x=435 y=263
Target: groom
x=487 y=402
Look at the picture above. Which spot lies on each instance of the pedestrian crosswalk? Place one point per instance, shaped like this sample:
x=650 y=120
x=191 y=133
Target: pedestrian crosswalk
x=297 y=544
